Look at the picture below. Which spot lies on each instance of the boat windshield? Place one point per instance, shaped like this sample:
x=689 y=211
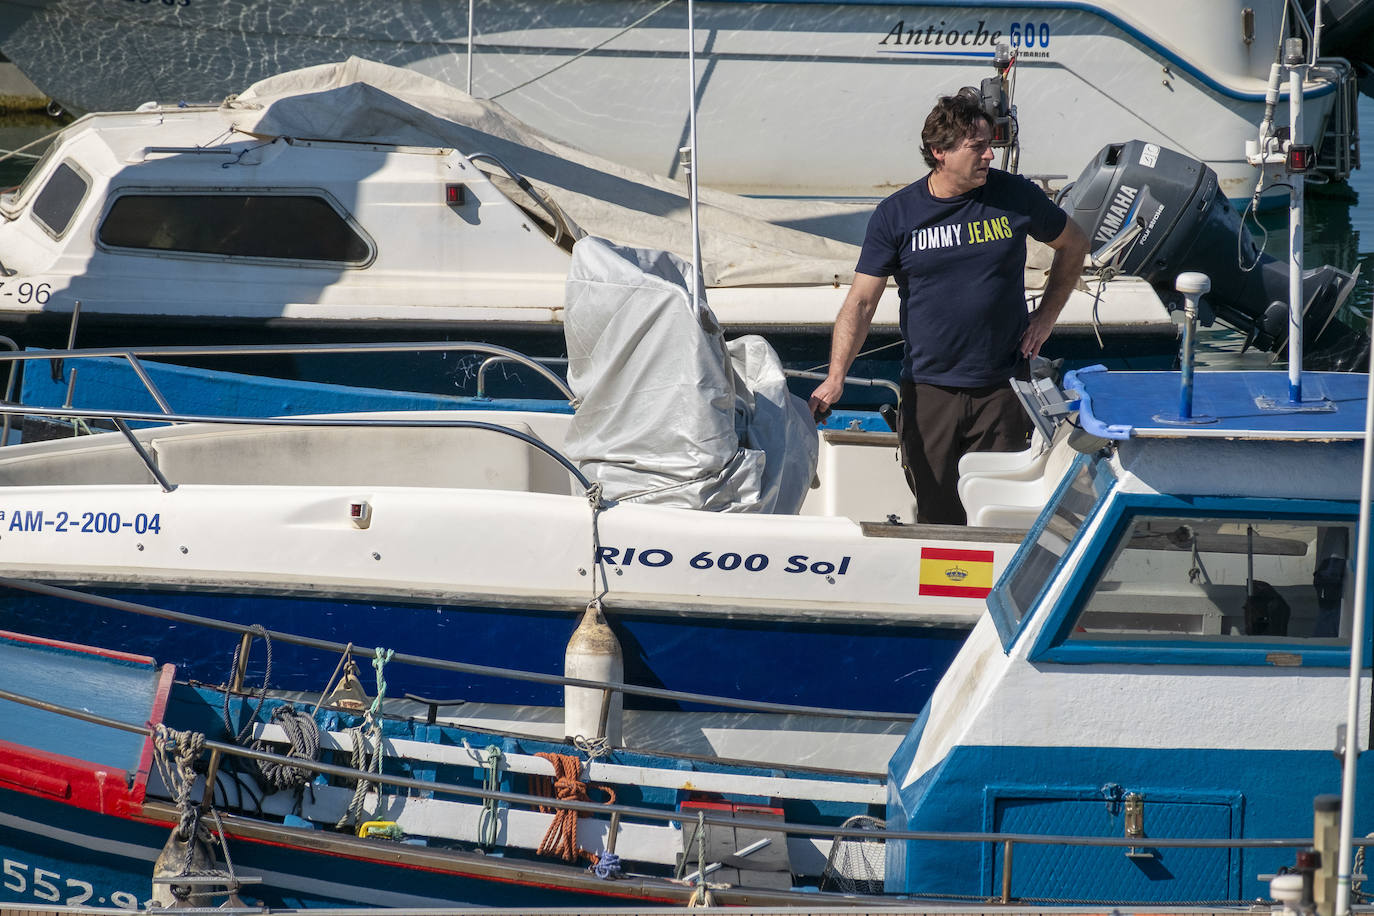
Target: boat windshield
x=1040 y=554
x=9 y=202
x=1224 y=580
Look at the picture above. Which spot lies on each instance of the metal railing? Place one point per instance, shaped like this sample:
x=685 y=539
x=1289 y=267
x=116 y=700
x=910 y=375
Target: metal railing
x=561 y=224
x=121 y=420
x=135 y=357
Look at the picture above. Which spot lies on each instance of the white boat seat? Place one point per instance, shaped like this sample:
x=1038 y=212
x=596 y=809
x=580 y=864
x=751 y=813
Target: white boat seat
x=1012 y=502
x=1022 y=465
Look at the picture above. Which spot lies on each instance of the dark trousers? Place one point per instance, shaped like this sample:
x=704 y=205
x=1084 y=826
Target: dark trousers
x=937 y=425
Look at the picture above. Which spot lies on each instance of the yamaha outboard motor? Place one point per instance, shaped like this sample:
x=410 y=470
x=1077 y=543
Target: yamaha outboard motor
x=1155 y=213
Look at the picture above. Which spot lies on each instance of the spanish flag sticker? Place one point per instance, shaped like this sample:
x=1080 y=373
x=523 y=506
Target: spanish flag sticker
x=949 y=573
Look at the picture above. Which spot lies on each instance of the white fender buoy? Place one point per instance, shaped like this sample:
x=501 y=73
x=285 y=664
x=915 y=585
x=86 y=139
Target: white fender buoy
x=593 y=654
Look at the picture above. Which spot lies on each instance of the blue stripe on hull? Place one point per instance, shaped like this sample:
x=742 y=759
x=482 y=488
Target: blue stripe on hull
x=886 y=667
x=1212 y=794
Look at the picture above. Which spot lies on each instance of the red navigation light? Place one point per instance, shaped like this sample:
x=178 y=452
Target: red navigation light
x=1301 y=157
x=455 y=195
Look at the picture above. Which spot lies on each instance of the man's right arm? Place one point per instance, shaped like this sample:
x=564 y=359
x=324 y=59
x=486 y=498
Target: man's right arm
x=851 y=329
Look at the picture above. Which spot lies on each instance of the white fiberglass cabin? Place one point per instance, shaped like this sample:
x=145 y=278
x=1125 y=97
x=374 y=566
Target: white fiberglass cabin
x=347 y=202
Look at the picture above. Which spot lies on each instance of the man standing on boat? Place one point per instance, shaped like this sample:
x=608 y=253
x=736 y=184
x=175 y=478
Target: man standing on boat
x=956 y=242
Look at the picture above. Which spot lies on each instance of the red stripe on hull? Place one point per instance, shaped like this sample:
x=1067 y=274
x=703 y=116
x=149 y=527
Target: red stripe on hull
x=967 y=556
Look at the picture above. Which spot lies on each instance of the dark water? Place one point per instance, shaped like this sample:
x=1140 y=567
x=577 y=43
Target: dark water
x=1339 y=223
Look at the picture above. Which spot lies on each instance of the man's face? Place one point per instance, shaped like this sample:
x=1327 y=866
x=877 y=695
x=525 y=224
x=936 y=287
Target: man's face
x=966 y=166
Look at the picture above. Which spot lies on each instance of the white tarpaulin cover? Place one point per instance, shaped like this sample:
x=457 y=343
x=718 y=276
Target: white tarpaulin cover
x=668 y=413
x=744 y=241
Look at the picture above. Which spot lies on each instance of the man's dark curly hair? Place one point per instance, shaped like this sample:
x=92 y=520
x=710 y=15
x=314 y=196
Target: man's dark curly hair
x=953 y=120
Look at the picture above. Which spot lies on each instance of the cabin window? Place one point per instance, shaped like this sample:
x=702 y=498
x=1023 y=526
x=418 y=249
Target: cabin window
x=57 y=203
x=1040 y=555
x=294 y=227
x=1224 y=580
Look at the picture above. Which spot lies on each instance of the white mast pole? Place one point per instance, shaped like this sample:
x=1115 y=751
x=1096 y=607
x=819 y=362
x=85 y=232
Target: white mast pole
x=1352 y=713
x=1297 y=70
x=690 y=153
x=472 y=18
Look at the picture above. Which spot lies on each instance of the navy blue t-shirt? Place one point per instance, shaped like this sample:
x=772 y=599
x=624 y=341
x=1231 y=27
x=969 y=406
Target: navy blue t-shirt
x=959 y=265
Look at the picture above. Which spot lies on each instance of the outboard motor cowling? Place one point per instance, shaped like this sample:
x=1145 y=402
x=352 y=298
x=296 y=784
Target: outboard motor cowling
x=1155 y=213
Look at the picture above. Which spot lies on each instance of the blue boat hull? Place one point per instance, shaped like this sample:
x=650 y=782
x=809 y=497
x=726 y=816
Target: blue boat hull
x=882 y=666
x=1079 y=791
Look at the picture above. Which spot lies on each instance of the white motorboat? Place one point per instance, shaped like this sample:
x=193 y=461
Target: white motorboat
x=719 y=517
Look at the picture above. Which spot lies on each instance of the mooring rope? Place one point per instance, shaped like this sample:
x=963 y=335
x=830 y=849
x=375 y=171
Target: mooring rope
x=583 y=53
x=242 y=735
x=370 y=730
x=176 y=753
x=598 y=571
x=566 y=785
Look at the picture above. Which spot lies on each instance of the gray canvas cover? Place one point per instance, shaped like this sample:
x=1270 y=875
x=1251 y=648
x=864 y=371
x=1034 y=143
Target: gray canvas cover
x=668 y=413
x=745 y=241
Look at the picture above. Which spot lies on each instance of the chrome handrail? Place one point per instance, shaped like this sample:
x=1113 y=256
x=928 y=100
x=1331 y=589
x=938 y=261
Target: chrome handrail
x=9 y=390
x=848 y=380
x=492 y=360
x=180 y=352
x=556 y=214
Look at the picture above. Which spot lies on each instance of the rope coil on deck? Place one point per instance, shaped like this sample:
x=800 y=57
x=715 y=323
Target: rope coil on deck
x=304 y=736
x=566 y=785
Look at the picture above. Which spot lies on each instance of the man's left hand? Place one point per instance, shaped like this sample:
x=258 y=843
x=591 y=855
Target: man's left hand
x=1038 y=328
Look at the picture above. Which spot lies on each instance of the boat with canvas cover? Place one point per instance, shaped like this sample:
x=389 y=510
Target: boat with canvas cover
x=797 y=99
x=350 y=202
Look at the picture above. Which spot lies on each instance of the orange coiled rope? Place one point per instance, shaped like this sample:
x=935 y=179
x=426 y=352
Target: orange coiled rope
x=566 y=785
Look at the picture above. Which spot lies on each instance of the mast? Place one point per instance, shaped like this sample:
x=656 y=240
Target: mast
x=688 y=154
x=1351 y=756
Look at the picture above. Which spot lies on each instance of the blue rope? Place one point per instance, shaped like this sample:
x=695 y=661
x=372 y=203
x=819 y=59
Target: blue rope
x=607 y=867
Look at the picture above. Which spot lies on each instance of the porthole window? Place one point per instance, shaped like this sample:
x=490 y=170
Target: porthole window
x=57 y=203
